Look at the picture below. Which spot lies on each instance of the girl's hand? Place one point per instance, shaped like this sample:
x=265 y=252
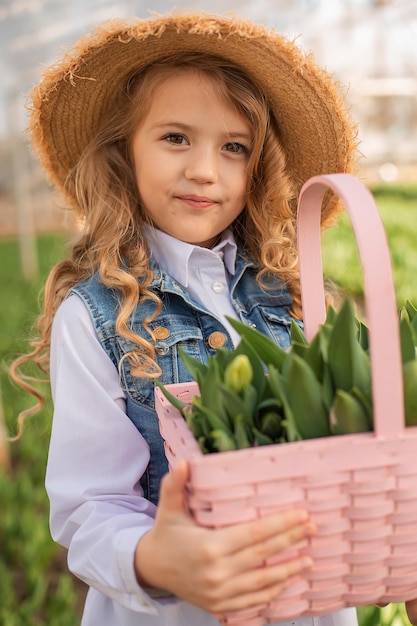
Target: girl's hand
x=217 y=569
x=411 y=608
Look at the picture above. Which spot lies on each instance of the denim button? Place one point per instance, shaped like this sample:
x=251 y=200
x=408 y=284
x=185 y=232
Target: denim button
x=162 y=351
x=217 y=340
x=161 y=333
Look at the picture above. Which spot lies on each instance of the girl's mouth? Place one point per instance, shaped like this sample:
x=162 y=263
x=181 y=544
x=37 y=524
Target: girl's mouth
x=197 y=202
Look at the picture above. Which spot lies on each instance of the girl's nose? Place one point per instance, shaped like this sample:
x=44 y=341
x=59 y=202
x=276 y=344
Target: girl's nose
x=202 y=166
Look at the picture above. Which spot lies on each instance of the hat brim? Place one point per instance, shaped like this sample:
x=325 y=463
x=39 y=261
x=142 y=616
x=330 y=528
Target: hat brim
x=68 y=106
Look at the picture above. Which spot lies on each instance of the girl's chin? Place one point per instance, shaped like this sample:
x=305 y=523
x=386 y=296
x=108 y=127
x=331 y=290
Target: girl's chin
x=207 y=243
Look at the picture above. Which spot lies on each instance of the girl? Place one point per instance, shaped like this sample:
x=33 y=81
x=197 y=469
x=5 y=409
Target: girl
x=181 y=142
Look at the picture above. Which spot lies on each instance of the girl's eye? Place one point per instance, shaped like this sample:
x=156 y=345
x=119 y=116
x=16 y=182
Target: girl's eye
x=175 y=138
x=236 y=148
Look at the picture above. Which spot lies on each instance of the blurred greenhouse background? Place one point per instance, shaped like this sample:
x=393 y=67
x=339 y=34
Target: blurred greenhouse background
x=369 y=46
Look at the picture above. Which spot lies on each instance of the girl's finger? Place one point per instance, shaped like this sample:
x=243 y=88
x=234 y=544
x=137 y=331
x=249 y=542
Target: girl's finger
x=411 y=608
x=255 y=554
x=260 y=585
x=288 y=527
x=172 y=490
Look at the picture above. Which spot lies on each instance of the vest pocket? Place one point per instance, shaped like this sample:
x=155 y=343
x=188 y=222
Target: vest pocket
x=172 y=332
x=278 y=322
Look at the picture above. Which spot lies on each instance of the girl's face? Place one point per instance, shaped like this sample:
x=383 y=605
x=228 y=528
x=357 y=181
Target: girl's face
x=190 y=154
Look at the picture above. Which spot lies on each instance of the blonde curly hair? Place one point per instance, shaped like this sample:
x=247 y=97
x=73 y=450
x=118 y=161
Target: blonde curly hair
x=112 y=240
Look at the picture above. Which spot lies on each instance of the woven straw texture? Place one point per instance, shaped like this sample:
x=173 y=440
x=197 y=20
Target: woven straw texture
x=360 y=490
x=85 y=86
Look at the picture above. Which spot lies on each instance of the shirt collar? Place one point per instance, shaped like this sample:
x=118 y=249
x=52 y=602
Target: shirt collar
x=177 y=257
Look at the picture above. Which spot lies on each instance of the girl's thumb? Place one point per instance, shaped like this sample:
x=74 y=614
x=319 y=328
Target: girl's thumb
x=173 y=488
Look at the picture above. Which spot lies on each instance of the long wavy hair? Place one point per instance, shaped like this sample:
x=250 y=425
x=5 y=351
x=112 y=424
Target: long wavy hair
x=112 y=242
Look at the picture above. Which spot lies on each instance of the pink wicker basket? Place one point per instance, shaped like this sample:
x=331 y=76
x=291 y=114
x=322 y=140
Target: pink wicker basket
x=360 y=490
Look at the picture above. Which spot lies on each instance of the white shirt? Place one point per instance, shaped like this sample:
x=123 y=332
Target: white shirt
x=96 y=459
x=203 y=272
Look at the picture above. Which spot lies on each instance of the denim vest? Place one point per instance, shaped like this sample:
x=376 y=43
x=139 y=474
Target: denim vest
x=182 y=323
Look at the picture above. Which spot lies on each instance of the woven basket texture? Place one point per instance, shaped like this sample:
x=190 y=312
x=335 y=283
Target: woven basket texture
x=360 y=490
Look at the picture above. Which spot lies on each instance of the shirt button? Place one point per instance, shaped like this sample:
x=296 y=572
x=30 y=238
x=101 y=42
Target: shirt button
x=217 y=287
x=217 y=340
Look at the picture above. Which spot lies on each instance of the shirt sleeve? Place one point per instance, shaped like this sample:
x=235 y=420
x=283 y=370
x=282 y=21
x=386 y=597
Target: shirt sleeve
x=95 y=462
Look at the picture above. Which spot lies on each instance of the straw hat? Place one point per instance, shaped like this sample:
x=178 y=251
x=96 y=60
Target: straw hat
x=76 y=93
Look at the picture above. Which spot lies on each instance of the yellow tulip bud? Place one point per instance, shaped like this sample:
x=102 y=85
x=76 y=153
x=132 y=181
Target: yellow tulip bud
x=238 y=373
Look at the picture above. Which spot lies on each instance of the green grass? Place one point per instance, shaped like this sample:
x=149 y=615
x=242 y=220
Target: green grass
x=399 y=216
x=35 y=587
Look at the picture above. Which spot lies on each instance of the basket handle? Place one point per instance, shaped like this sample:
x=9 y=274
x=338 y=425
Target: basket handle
x=380 y=301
